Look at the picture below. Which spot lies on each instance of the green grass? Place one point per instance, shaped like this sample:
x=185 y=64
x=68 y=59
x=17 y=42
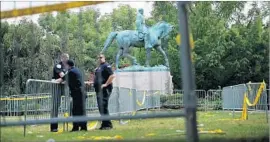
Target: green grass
x=167 y=129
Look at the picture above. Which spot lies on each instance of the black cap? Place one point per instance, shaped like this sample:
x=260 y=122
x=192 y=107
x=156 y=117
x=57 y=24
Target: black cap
x=70 y=63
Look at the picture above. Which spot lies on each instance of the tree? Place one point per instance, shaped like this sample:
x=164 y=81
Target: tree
x=230 y=47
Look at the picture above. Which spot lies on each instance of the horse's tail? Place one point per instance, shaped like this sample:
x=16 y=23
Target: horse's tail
x=109 y=41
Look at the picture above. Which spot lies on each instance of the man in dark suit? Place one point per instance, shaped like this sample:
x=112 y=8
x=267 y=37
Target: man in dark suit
x=75 y=84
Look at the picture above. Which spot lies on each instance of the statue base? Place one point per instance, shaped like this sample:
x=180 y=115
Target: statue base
x=144 y=78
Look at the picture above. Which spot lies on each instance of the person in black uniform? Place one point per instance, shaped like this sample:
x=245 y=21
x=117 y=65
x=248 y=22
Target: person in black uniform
x=103 y=88
x=58 y=90
x=75 y=84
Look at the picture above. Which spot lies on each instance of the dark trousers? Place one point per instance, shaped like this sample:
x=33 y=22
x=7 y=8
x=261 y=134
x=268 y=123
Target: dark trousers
x=57 y=92
x=103 y=101
x=78 y=109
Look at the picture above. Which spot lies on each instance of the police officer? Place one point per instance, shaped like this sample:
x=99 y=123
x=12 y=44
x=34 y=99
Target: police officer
x=75 y=84
x=58 y=90
x=103 y=88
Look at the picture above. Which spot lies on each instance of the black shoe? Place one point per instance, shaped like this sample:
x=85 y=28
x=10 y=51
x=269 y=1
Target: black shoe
x=83 y=130
x=54 y=130
x=105 y=128
x=74 y=130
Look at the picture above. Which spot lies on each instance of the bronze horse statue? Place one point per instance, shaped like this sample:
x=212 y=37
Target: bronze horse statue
x=129 y=38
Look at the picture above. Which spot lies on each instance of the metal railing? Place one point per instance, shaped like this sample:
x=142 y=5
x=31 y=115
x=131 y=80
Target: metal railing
x=41 y=103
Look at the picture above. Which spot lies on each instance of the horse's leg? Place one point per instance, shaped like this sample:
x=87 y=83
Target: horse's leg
x=120 y=52
x=131 y=58
x=164 y=55
x=148 y=50
x=126 y=51
x=127 y=55
x=148 y=56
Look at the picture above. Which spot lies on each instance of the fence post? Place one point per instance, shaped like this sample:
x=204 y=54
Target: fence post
x=205 y=95
x=147 y=101
x=118 y=102
x=25 y=105
x=266 y=105
x=67 y=104
x=134 y=97
x=233 y=93
x=187 y=75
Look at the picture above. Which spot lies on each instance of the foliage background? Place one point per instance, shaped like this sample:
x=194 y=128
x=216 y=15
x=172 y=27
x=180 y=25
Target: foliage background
x=230 y=47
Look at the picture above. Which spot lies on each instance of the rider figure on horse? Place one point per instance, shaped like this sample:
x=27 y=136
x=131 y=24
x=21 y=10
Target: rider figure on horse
x=141 y=28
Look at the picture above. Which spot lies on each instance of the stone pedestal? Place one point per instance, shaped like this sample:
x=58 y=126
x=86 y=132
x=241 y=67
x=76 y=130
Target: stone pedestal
x=144 y=80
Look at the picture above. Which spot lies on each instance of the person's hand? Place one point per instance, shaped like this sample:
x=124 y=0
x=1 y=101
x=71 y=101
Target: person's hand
x=54 y=81
x=89 y=83
x=59 y=80
x=103 y=85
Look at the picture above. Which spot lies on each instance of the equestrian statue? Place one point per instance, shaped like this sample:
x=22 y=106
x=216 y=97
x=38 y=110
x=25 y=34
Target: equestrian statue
x=142 y=36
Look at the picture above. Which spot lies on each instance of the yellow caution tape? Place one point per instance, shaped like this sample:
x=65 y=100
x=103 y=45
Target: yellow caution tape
x=116 y=137
x=141 y=103
x=138 y=102
x=201 y=131
x=144 y=96
x=244 y=109
x=130 y=93
x=229 y=119
x=178 y=39
x=156 y=92
x=125 y=122
x=150 y=134
x=47 y=8
x=191 y=41
x=217 y=131
x=32 y=98
x=246 y=101
x=80 y=137
x=91 y=125
x=20 y=99
x=66 y=115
